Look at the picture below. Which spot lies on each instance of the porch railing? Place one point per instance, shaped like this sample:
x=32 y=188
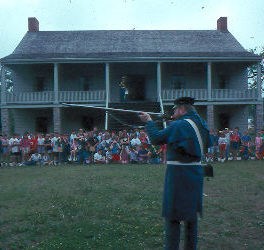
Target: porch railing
x=100 y=95
x=172 y=94
x=30 y=97
x=234 y=94
x=216 y=94
x=82 y=96
x=48 y=97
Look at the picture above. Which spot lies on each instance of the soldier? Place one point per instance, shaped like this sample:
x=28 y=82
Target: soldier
x=183 y=187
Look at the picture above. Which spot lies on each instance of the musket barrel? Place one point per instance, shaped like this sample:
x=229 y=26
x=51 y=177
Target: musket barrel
x=109 y=109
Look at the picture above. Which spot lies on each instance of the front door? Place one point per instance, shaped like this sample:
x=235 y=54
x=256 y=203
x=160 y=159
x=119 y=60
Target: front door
x=224 y=120
x=136 y=88
x=87 y=123
x=42 y=124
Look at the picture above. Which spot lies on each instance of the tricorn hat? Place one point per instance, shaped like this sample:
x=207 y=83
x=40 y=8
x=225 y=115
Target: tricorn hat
x=183 y=101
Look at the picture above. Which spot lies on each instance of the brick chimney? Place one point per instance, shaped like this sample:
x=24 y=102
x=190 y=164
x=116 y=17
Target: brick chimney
x=33 y=24
x=222 y=24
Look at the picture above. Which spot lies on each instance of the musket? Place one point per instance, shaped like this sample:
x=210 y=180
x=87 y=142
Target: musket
x=111 y=109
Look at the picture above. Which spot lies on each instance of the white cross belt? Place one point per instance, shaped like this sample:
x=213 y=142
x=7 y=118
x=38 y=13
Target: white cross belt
x=183 y=164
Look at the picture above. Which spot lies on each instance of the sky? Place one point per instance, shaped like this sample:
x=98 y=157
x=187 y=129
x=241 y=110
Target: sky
x=245 y=18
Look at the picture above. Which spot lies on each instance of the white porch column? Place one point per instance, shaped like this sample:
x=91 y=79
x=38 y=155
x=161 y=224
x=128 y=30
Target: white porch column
x=259 y=81
x=57 y=119
x=209 y=81
x=259 y=107
x=56 y=83
x=259 y=117
x=158 y=81
x=159 y=97
x=3 y=86
x=210 y=116
x=107 y=90
x=56 y=110
x=5 y=121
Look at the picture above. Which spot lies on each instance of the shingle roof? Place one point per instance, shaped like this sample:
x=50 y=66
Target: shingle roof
x=116 y=44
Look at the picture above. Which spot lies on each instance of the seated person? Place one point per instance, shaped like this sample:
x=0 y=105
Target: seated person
x=143 y=154
x=46 y=159
x=34 y=159
x=108 y=155
x=133 y=155
x=98 y=157
x=153 y=154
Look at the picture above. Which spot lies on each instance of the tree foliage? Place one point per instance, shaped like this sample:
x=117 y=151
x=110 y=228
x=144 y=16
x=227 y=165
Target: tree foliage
x=252 y=71
x=9 y=83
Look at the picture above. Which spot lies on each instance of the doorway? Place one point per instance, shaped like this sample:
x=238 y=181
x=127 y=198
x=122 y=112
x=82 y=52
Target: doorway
x=87 y=123
x=224 y=120
x=42 y=124
x=40 y=83
x=134 y=87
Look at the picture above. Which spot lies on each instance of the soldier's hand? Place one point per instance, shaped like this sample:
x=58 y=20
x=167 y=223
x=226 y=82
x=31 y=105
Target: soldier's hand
x=144 y=117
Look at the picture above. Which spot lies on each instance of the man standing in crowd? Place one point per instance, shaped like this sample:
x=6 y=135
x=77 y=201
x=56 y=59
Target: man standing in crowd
x=183 y=189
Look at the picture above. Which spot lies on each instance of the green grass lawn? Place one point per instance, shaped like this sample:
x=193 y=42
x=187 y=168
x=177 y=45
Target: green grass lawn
x=119 y=207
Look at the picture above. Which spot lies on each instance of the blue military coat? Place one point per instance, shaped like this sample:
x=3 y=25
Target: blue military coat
x=183 y=185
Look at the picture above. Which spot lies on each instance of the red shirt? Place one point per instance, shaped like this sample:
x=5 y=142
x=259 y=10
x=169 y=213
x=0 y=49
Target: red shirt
x=33 y=143
x=234 y=137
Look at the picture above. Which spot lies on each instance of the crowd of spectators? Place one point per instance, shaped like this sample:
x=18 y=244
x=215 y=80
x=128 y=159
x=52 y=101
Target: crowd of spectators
x=82 y=147
x=231 y=144
x=125 y=146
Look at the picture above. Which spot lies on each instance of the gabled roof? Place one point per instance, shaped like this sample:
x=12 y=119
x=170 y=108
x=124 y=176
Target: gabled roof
x=128 y=45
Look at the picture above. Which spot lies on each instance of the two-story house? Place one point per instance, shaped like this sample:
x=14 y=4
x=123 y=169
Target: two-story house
x=130 y=69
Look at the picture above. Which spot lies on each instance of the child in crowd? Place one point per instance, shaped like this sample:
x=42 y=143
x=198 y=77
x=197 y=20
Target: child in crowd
x=108 y=155
x=98 y=157
x=245 y=145
x=234 y=143
x=25 y=147
x=143 y=154
x=153 y=154
x=124 y=154
x=73 y=152
x=115 y=151
x=133 y=155
x=5 y=151
x=40 y=144
x=46 y=159
x=213 y=150
x=222 y=142
x=258 y=144
x=14 y=144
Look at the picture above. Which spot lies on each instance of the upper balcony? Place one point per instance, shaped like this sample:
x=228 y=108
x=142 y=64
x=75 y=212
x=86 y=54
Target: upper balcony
x=168 y=95
x=216 y=94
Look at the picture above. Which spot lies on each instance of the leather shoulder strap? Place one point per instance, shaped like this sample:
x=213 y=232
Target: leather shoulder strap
x=194 y=126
